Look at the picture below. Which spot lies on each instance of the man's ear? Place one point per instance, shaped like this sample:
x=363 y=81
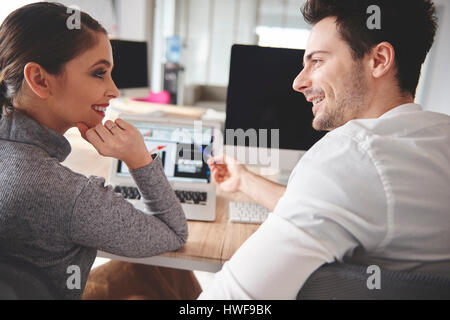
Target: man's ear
x=382 y=59
x=37 y=79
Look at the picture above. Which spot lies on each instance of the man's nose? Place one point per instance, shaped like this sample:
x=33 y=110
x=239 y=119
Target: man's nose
x=301 y=82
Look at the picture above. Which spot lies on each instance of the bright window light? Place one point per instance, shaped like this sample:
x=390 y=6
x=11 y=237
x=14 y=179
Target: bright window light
x=282 y=37
x=9 y=6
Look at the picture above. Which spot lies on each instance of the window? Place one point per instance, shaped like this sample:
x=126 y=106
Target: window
x=280 y=24
x=282 y=37
x=9 y=6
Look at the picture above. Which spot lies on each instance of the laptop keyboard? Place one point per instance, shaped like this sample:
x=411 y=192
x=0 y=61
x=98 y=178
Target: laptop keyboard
x=192 y=197
x=188 y=197
x=130 y=193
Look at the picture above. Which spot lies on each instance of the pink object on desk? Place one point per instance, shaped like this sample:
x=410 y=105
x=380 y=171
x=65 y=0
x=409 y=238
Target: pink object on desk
x=162 y=97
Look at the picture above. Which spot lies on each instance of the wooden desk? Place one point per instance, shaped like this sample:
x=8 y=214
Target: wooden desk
x=209 y=244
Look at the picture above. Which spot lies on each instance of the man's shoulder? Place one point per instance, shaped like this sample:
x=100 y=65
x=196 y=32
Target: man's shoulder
x=392 y=125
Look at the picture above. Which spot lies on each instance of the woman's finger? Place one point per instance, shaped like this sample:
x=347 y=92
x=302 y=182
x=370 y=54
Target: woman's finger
x=123 y=124
x=112 y=126
x=93 y=138
x=104 y=133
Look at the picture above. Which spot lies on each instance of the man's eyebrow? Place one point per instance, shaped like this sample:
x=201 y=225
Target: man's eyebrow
x=309 y=56
x=102 y=61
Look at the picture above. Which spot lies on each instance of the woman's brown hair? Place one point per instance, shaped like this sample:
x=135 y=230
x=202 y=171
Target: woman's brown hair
x=40 y=33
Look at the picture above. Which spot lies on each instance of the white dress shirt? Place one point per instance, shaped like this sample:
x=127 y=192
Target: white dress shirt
x=378 y=189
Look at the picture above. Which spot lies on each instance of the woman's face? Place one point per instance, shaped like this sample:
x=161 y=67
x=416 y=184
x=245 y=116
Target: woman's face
x=85 y=85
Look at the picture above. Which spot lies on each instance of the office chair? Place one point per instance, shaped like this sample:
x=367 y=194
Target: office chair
x=342 y=281
x=20 y=280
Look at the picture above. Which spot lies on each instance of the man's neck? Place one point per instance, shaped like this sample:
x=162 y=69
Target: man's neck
x=381 y=105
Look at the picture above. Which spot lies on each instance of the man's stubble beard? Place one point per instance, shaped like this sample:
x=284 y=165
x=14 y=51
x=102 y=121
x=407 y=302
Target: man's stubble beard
x=348 y=105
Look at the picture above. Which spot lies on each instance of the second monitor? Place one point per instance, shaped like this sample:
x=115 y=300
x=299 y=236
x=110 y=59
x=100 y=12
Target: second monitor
x=260 y=96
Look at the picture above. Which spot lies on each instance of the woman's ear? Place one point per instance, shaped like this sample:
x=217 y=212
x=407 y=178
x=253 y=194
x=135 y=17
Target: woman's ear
x=382 y=59
x=37 y=79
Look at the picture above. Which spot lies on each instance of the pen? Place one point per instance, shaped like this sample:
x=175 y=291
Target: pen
x=159 y=148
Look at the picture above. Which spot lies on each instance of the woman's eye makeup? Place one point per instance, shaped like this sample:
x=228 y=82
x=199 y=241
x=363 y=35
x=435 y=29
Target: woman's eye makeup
x=99 y=73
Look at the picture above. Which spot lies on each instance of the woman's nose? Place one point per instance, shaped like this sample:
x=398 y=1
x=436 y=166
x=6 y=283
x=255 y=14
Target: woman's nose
x=113 y=92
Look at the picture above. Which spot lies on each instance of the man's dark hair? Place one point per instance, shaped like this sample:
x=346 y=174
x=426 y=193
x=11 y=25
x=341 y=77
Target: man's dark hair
x=408 y=25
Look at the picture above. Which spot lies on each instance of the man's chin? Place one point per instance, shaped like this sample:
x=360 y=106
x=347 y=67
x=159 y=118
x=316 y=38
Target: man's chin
x=320 y=125
x=317 y=124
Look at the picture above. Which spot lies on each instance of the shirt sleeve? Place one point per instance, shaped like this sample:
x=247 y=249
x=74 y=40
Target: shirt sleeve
x=104 y=220
x=335 y=201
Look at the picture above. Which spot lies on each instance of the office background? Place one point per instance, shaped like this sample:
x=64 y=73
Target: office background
x=209 y=28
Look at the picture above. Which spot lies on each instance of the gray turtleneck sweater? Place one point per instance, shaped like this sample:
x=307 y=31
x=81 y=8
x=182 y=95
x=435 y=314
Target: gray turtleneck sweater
x=55 y=218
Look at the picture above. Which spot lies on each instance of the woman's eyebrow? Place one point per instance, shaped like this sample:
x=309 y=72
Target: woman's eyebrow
x=102 y=61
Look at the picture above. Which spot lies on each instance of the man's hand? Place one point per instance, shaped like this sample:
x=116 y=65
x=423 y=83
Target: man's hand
x=232 y=176
x=227 y=173
x=118 y=140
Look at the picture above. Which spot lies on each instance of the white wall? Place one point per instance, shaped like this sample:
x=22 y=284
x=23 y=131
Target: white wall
x=208 y=29
x=434 y=91
x=164 y=26
x=9 y=6
x=132 y=19
x=101 y=10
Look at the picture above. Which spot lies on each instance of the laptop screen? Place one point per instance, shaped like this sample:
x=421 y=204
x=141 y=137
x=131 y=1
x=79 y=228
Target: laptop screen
x=183 y=149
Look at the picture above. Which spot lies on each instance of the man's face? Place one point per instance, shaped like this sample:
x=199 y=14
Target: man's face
x=332 y=79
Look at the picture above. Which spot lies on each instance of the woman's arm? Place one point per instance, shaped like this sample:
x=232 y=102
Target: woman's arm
x=104 y=220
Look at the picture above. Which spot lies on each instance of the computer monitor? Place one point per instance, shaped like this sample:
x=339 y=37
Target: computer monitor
x=131 y=71
x=260 y=96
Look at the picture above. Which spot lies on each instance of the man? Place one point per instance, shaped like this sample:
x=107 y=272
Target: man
x=376 y=188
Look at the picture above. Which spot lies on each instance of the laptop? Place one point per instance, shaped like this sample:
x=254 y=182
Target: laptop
x=184 y=146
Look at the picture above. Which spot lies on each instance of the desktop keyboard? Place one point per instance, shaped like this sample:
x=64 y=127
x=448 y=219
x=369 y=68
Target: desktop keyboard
x=188 y=197
x=245 y=212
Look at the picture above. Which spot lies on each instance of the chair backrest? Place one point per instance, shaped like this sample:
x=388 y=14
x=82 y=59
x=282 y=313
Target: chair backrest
x=20 y=280
x=341 y=281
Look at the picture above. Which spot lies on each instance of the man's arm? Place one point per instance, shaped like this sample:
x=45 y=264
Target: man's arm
x=232 y=176
x=272 y=264
x=261 y=190
x=324 y=215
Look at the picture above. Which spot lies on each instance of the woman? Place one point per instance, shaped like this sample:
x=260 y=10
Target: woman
x=53 y=78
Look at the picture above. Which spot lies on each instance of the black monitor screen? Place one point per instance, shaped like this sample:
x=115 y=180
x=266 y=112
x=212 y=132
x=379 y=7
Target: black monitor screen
x=260 y=96
x=130 y=64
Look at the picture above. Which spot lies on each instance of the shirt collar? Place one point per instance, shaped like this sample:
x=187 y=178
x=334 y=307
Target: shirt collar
x=19 y=127
x=408 y=107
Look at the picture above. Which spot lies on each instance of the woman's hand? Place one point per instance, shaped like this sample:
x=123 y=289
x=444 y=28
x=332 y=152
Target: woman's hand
x=118 y=140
